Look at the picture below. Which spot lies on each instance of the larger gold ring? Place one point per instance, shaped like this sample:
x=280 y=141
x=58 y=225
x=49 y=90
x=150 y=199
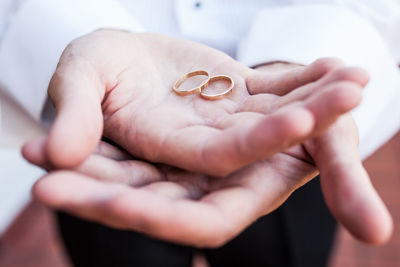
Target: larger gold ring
x=219 y=95
x=195 y=90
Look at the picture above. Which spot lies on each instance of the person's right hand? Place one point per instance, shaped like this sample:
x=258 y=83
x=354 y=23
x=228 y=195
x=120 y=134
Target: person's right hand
x=123 y=81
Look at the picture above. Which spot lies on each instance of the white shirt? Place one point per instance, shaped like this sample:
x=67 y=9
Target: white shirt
x=365 y=33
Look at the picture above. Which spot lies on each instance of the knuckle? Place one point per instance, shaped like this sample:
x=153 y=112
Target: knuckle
x=327 y=65
x=346 y=93
x=213 y=241
x=220 y=235
x=215 y=234
x=342 y=74
x=351 y=74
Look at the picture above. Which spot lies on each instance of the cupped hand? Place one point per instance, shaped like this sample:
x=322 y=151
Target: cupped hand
x=119 y=84
x=166 y=202
x=196 y=209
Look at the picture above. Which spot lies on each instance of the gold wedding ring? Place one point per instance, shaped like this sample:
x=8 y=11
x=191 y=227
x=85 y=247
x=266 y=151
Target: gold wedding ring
x=203 y=85
x=219 y=95
x=195 y=90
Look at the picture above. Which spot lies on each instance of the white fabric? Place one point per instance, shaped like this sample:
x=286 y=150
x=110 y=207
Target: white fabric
x=15 y=183
x=37 y=35
x=16 y=174
x=365 y=33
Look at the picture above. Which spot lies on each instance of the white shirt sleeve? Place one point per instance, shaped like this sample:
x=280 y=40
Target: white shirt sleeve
x=303 y=33
x=38 y=33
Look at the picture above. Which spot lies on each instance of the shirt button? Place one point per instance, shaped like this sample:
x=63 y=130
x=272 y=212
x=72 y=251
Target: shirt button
x=197 y=4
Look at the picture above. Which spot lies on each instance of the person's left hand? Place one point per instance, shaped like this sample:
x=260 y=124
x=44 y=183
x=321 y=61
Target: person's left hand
x=196 y=209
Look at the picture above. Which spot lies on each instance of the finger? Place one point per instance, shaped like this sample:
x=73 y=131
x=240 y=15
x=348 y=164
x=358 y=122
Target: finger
x=130 y=172
x=34 y=152
x=338 y=99
x=355 y=75
x=58 y=190
x=180 y=184
x=112 y=152
x=326 y=105
x=173 y=191
x=110 y=164
x=185 y=221
x=76 y=92
x=281 y=84
x=346 y=186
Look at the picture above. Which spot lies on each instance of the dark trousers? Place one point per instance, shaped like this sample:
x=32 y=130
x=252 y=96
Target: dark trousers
x=299 y=233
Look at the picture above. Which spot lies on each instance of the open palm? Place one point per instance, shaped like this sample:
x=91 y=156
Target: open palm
x=128 y=91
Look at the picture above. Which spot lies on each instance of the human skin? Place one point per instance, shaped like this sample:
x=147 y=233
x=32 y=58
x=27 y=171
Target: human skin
x=195 y=209
x=125 y=94
x=227 y=167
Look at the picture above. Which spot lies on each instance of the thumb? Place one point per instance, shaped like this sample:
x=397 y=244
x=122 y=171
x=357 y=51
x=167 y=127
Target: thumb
x=346 y=186
x=76 y=92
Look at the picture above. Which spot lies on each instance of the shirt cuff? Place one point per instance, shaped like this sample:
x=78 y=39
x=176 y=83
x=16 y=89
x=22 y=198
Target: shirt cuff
x=301 y=34
x=37 y=35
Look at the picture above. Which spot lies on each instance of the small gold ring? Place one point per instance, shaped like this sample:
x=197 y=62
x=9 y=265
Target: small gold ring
x=195 y=90
x=219 y=95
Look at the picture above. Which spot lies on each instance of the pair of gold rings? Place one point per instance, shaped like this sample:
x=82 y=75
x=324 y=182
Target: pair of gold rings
x=199 y=89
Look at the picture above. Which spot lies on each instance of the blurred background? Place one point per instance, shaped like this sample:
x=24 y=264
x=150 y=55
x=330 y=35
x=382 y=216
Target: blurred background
x=29 y=237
